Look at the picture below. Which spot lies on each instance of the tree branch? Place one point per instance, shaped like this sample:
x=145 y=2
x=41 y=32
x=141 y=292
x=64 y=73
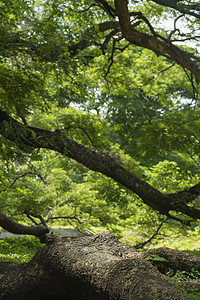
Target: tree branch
x=21 y=176
x=141 y=245
x=183 y=8
x=32 y=137
x=22 y=45
x=106 y=7
x=30 y=214
x=14 y=227
x=111 y=59
x=144 y=40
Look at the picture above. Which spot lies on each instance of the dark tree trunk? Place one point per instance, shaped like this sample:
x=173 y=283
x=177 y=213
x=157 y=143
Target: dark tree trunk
x=92 y=268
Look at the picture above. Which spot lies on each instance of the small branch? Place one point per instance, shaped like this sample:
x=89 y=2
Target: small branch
x=30 y=214
x=84 y=131
x=195 y=91
x=92 y=5
x=111 y=60
x=184 y=222
x=175 y=29
x=122 y=49
x=162 y=71
x=140 y=16
x=188 y=193
x=106 y=7
x=186 y=39
x=141 y=245
x=181 y=8
x=107 y=39
x=21 y=176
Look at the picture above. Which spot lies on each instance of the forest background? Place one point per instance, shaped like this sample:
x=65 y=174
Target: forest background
x=67 y=68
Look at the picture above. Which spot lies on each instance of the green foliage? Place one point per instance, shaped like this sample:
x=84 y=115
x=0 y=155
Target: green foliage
x=19 y=250
x=129 y=105
x=190 y=294
x=169 y=176
x=155 y=257
x=184 y=275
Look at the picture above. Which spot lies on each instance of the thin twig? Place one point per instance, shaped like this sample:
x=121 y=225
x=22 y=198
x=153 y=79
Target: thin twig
x=21 y=176
x=140 y=16
x=30 y=214
x=106 y=7
x=88 y=8
x=111 y=60
x=141 y=245
x=175 y=29
x=162 y=71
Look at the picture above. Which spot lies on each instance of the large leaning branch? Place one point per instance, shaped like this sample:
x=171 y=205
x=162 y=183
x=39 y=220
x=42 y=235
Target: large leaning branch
x=160 y=47
x=32 y=137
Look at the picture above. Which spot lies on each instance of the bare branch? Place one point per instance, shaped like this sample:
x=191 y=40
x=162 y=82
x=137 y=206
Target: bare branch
x=21 y=176
x=110 y=59
x=162 y=71
x=175 y=29
x=84 y=131
x=140 y=16
x=88 y=8
x=141 y=245
x=186 y=9
x=106 y=7
x=30 y=214
x=107 y=40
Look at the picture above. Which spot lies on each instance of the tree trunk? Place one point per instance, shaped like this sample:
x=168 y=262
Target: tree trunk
x=92 y=268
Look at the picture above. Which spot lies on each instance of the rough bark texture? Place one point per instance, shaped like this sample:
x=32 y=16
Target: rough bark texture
x=97 y=267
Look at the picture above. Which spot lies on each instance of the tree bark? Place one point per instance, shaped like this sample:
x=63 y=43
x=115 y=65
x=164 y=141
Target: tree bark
x=97 y=267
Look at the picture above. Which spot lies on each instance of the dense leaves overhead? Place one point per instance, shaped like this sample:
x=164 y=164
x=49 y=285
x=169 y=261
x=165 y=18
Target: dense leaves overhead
x=94 y=80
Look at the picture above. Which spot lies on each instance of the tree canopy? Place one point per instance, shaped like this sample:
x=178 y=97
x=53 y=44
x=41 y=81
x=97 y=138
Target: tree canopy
x=110 y=85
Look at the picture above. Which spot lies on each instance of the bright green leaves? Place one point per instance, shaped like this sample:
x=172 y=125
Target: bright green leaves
x=34 y=50
x=86 y=128
x=176 y=131
x=61 y=71
x=155 y=257
x=20 y=89
x=169 y=176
